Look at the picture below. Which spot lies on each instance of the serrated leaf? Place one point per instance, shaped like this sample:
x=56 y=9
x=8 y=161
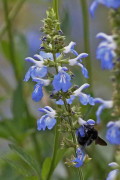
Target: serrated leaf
x=46 y=168
x=32 y=163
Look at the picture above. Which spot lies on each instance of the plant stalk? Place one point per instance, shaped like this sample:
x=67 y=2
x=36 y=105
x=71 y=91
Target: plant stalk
x=86 y=37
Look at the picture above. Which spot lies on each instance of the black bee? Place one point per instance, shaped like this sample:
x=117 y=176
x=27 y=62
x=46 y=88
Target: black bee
x=86 y=134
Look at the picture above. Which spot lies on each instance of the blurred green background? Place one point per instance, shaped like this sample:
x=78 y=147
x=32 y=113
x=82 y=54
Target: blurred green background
x=18 y=113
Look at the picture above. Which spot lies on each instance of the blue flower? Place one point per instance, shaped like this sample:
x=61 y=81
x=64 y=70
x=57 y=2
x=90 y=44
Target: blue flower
x=77 y=60
x=106 y=51
x=104 y=105
x=62 y=80
x=113 y=165
x=113 y=174
x=38 y=70
x=48 y=120
x=70 y=48
x=70 y=100
x=79 y=160
x=113 y=132
x=60 y=102
x=108 y=3
x=38 y=93
x=48 y=55
x=84 y=98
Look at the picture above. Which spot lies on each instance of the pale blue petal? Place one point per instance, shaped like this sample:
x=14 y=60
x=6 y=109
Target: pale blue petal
x=39 y=72
x=91 y=101
x=46 y=55
x=85 y=72
x=60 y=102
x=83 y=99
x=91 y=122
x=28 y=74
x=50 y=122
x=37 y=93
x=41 y=123
x=93 y=7
x=70 y=100
x=113 y=133
x=99 y=111
x=113 y=174
x=62 y=81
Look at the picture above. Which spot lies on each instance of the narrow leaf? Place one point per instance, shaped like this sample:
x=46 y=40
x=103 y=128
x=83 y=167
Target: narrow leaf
x=26 y=158
x=46 y=168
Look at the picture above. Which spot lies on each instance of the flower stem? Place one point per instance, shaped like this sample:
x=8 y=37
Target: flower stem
x=55 y=7
x=56 y=141
x=68 y=109
x=10 y=37
x=86 y=36
x=11 y=16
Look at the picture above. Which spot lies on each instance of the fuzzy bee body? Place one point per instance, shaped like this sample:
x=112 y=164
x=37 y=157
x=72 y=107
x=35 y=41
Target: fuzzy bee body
x=88 y=135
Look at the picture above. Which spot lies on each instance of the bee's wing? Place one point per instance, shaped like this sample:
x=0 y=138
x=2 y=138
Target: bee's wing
x=100 y=141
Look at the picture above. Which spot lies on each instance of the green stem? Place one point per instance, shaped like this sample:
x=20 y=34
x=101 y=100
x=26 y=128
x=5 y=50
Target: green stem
x=36 y=146
x=13 y=60
x=11 y=16
x=56 y=68
x=56 y=140
x=68 y=109
x=10 y=36
x=55 y=7
x=86 y=36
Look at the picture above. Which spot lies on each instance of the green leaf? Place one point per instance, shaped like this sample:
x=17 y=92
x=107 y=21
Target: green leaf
x=46 y=168
x=59 y=156
x=18 y=106
x=21 y=50
x=19 y=168
x=26 y=158
x=5 y=47
x=4 y=133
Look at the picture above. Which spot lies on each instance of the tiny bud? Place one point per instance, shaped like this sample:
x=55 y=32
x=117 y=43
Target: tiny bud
x=42 y=48
x=60 y=32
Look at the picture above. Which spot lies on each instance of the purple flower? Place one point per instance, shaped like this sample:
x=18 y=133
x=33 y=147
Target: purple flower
x=84 y=98
x=106 y=51
x=79 y=160
x=113 y=132
x=62 y=80
x=48 y=120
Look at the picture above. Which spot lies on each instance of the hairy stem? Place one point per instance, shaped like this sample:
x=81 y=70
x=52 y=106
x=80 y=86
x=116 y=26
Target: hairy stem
x=86 y=36
x=68 y=109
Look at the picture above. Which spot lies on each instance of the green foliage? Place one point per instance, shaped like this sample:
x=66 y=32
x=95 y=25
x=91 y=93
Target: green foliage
x=26 y=158
x=46 y=168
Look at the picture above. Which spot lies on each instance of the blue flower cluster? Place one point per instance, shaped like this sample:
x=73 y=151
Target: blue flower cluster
x=106 y=51
x=61 y=82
